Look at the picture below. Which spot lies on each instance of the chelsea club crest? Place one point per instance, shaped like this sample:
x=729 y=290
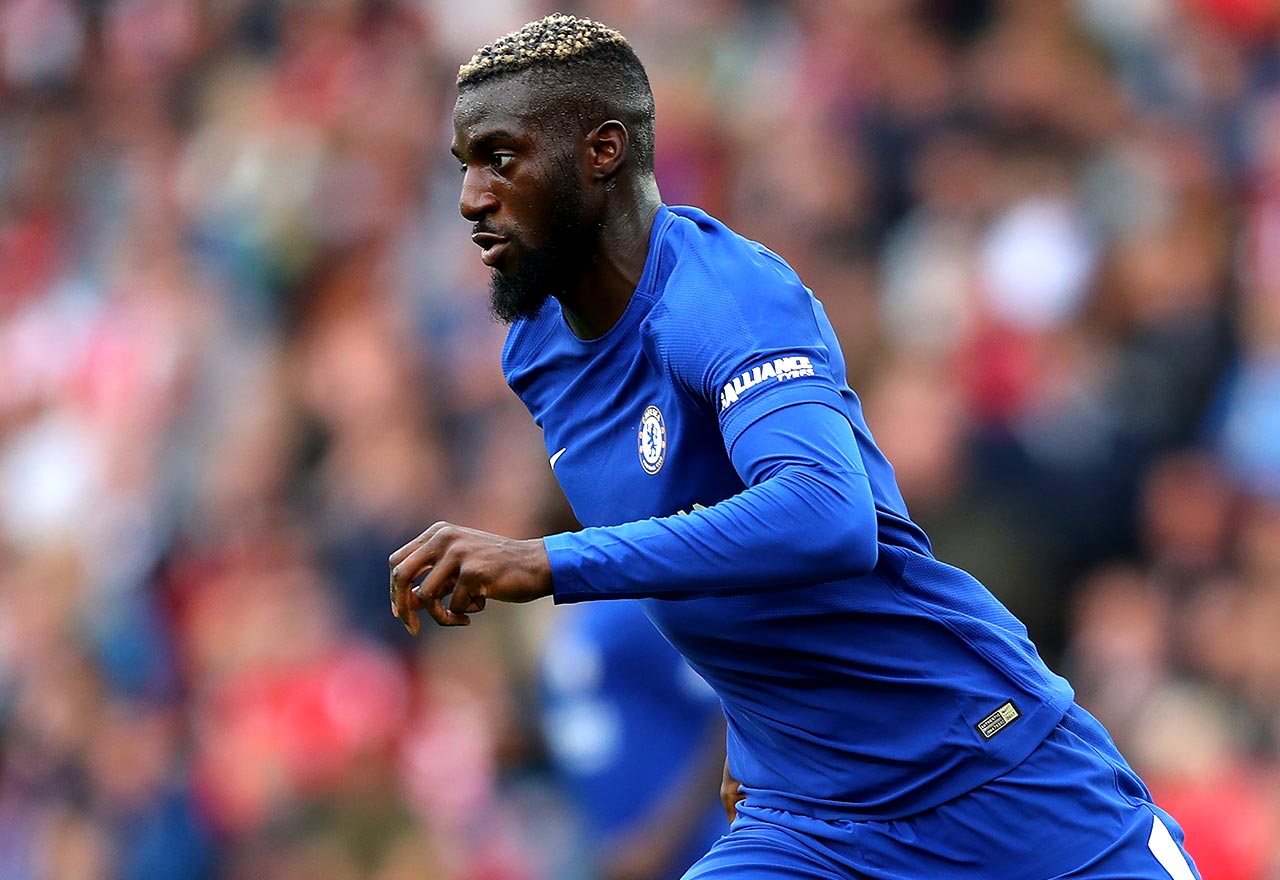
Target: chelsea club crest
x=653 y=440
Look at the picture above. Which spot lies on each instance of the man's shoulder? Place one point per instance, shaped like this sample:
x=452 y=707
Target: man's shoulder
x=702 y=249
x=716 y=279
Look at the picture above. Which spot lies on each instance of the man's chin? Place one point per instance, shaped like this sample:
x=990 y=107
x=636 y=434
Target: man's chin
x=512 y=298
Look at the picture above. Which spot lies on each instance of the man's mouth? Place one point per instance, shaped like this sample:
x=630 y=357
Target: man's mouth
x=491 y=246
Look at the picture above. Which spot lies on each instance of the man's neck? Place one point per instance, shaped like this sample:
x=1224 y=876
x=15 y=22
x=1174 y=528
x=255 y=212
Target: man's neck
x=612 y=271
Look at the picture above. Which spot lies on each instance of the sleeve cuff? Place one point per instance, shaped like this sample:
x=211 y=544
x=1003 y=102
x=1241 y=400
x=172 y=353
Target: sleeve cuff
x=565 y=557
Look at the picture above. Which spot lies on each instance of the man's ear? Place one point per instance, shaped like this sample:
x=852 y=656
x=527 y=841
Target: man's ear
x=607 y=148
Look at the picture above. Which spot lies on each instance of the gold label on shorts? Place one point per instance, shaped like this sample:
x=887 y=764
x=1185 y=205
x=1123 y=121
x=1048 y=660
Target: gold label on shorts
x=998 y=720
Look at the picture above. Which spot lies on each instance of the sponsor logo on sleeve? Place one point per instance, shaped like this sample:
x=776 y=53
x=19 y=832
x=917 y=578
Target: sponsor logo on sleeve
x=779 y=369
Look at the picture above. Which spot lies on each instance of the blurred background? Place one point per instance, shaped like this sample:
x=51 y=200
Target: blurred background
x=245 y=353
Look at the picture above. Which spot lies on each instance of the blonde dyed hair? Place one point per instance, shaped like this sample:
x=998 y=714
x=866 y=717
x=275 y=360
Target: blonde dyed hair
x=557 y=38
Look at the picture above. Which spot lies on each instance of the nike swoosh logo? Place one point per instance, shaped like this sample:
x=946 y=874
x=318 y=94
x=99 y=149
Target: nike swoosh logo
x=556 y=457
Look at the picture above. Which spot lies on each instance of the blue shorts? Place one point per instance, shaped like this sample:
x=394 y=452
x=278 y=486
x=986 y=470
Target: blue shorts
x=1073 y=809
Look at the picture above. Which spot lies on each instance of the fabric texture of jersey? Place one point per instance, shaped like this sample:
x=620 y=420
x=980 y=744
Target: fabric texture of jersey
x=1083 y=811
x=873 y=695
x=626 y=719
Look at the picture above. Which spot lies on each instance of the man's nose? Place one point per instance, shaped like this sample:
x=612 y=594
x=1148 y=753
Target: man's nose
x=476 y=200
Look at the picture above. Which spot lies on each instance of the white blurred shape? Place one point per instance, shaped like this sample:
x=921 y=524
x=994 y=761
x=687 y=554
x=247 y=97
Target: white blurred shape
x=465 y=26
x=1132 y=22
x=927 y=283
x=572 y=666
x=49 y=479
x=585 y=735
x=1036 y=263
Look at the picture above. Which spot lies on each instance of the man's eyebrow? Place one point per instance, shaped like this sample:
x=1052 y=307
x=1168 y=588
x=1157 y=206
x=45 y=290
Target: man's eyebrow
x=485 y=139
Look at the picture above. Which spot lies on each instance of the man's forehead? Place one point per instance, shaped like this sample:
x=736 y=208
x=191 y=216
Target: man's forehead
x=514 y=103
x=476 y=121
x=502 y=97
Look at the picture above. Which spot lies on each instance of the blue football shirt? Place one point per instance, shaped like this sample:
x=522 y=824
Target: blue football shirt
x=871 y=684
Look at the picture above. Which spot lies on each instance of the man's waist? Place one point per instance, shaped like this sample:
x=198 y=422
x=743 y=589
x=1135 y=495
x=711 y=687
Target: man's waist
x=878 y=783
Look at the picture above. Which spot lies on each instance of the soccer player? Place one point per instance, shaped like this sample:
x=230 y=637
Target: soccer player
x=887 y=717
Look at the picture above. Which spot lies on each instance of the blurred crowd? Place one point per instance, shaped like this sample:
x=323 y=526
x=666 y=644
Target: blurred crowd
x=245 y=353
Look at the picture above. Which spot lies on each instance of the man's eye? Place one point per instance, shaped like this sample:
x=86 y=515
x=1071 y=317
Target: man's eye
x=501 y=160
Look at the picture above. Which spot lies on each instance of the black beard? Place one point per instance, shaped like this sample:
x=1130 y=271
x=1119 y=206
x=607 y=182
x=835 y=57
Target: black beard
x=549 y=270
x=544 y=273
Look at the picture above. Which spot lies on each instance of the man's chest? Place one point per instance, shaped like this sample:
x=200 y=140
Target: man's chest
x=626 y=444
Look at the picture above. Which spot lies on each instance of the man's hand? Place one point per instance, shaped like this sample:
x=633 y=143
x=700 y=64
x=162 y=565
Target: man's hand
x=730 y=793
x=472 y=566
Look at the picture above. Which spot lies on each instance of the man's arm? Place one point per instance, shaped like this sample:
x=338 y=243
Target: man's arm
x=806 y=516
x=731 y=793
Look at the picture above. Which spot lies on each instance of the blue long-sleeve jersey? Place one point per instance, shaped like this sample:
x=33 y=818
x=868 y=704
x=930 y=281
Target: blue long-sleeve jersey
x=711 y=443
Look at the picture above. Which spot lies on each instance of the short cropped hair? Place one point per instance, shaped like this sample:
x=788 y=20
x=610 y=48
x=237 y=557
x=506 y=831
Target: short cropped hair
x=596 y=63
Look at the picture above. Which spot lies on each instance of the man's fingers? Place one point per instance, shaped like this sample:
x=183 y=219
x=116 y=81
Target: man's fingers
x=403 y=553
x=465 y=599
x=435 y=561
x=402 y=577
x=407 y=565
x=411 y=566
x=429 y=594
